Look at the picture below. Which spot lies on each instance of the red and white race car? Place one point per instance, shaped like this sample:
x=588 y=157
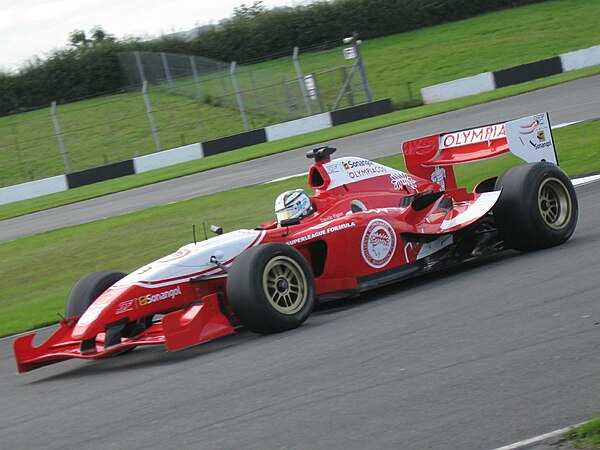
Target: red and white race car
x=366 y=225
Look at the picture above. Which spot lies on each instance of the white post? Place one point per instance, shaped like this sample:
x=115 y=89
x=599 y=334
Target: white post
x=140 y=67
x=59 y=135
x=197 y=86
x=167 y=71
x=301 y=81
x=238 y=96
x=151 y=116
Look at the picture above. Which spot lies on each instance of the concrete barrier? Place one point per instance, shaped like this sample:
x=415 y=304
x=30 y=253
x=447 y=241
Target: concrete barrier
x=489 y=81
x=101 y=173
x=462 y=87
x=299 y=126
x=26 y=191
x=193 y=151
x=168 y=157
x=580 y=58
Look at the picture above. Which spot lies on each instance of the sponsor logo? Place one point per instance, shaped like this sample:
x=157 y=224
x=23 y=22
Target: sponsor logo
x=529 y=128
x=541 y=135
x=473 y=136
x=173 y=256
x=125 y=306
x=332 y=168
x=542 y=145
x=320 y=233
x=153 y=298
x=439 y=176
x=352 y=164
x=401 y=179
x=367 y=171
x=378 y=243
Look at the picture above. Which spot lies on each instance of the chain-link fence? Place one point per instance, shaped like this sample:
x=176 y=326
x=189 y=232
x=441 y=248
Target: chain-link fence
x=174 y=100
x=302 y=84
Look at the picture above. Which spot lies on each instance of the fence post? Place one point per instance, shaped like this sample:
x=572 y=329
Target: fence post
x=345 y=76
x=288 y=98
x=238 y=95
x=311 y=79
x=345 y=88
x=301 y=81
x=361 y=67
x=18 y=151
x=221 y=70
x=59 y=135
x=163 y=56
x=197 y=86
x=151 y=116
x=140 y=67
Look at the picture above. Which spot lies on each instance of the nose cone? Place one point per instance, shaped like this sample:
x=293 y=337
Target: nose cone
x=109 y=307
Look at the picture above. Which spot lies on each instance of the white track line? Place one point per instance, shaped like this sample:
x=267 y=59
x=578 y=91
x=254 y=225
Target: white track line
x=286 y=178
x=538 y=439
x=584 y=180
x=566 y=124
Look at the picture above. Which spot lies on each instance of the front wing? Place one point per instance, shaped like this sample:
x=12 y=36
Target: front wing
x=199 y=322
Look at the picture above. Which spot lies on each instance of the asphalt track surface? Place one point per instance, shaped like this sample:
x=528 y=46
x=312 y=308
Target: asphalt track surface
x=476 y=357
x=569 y=102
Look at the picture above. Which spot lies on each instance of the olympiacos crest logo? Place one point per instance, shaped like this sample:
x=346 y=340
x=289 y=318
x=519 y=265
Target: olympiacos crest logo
x=378 y=243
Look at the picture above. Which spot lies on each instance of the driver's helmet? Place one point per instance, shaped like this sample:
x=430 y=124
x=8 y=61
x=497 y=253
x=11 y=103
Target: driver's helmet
x=292 y=204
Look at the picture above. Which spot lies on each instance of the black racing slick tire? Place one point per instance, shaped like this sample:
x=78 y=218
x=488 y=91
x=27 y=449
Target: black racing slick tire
x=537 y=207
x=271 y=288
x=88 y=289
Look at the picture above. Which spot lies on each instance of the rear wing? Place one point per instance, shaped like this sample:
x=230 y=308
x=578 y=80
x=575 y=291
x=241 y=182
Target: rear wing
x=432 y=157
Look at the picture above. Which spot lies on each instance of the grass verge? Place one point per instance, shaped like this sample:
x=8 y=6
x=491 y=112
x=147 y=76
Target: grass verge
x=586 y=436
x=38 y=271
x=114 y=128
x=269 y=148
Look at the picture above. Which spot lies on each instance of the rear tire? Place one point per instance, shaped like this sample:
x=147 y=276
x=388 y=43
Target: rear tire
x=88 y=289
x=537 y=208
x=271 y=288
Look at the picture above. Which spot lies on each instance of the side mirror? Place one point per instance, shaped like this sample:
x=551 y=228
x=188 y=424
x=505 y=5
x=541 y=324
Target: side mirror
x=291 y=221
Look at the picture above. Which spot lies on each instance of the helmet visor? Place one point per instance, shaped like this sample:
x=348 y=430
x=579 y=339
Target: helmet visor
x=285 y=214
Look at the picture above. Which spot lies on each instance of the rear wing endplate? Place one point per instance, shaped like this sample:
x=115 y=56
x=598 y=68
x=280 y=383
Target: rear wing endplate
x=432 y=157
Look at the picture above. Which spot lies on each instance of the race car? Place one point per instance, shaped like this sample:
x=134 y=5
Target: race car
x=366 y=225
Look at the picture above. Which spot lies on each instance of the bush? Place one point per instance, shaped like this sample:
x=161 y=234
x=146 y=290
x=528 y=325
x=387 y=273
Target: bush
x=90 y=66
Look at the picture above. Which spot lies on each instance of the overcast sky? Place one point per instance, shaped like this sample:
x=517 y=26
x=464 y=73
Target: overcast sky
x=37 y=27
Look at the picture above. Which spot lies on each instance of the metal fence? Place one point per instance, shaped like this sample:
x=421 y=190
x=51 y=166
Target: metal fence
x=174 y=100
x=296 y=86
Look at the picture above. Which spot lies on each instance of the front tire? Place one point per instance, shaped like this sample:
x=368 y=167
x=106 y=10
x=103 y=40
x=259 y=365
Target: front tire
x=88 y=289
x=271 y=288
x=537 y=208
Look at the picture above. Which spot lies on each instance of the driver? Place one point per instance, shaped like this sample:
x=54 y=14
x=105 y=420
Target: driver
x=292 y=204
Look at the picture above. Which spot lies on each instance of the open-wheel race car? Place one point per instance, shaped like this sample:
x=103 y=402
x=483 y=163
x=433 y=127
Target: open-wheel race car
x=366 y=225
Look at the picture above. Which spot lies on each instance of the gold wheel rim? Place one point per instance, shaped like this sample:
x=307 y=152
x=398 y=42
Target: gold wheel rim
x=285 y=285
x=554 y=203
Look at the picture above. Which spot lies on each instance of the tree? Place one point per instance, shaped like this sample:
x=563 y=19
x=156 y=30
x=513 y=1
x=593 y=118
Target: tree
x=249 y=12
x=99 y=35
x=77 y=39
